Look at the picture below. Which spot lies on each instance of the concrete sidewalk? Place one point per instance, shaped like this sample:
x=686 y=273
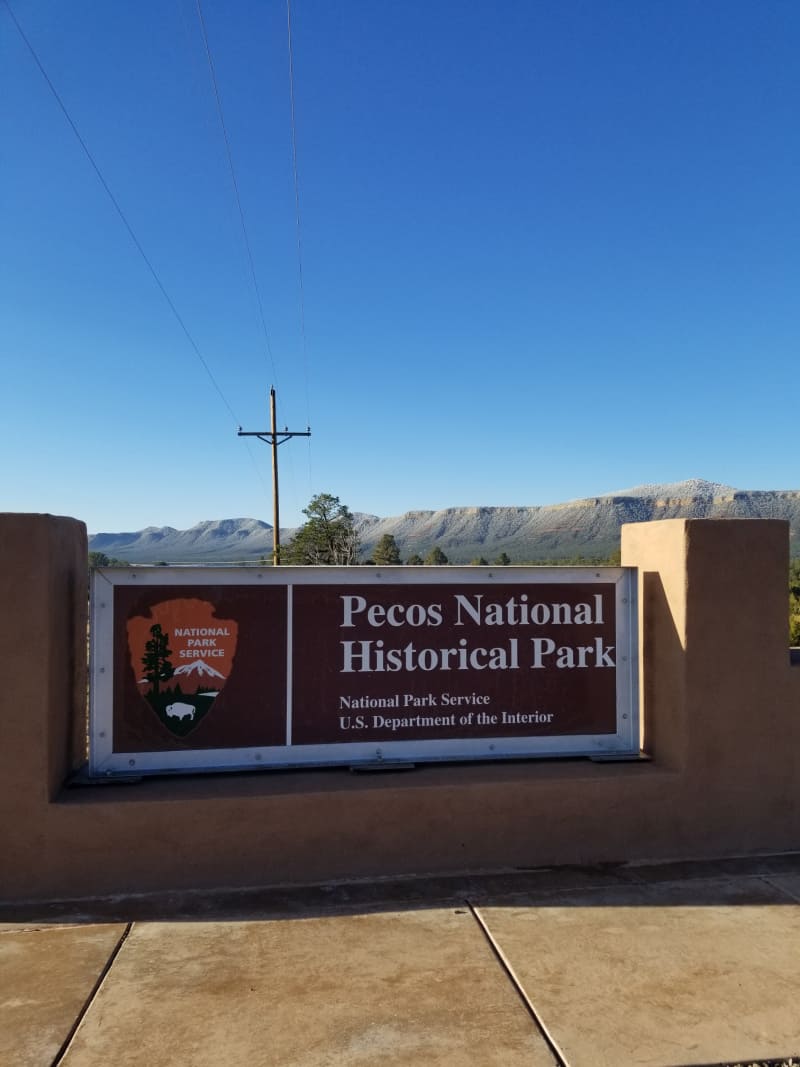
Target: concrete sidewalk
x=681 y=964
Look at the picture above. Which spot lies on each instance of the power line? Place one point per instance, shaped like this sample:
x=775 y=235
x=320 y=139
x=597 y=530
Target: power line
x=235 y=186
x=297 y=222
x=196 y=61
x=297 y=198
x=119 y=210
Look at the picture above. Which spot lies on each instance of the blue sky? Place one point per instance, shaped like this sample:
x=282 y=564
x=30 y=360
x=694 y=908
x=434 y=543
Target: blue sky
x=549 y=250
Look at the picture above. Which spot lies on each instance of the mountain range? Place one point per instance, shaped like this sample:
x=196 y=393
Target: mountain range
x=586 y=528
x=578 y=528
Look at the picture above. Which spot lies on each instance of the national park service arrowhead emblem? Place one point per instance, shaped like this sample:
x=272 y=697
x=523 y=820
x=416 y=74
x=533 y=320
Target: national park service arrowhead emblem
x=182 y=657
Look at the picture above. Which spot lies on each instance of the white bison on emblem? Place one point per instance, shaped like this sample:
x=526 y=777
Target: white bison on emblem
x=180 y=711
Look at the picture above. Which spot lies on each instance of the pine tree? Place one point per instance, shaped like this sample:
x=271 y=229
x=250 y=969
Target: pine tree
x=386 y=553
x=436 y=557
x=328 y=537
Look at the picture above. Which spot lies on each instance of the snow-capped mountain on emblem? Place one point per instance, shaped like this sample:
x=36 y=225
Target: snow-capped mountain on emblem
x=200 y=669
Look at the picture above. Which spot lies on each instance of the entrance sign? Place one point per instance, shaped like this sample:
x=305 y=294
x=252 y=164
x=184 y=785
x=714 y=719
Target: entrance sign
x=219 y=668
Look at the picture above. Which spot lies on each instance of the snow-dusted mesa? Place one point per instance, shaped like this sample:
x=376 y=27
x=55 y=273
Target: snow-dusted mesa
x=588 y=527
x=198 y=668
x=691 y=488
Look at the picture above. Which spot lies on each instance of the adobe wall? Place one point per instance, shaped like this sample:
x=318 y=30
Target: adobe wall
x=721 y=709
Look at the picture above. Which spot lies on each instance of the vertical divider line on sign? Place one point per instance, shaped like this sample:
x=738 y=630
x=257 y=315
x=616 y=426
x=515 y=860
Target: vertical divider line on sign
x=289 y=606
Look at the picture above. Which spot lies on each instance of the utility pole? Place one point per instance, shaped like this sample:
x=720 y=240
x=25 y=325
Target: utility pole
x=274 y=437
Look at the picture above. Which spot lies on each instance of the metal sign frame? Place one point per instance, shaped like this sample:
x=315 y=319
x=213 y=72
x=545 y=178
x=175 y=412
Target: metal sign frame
x=106 y=760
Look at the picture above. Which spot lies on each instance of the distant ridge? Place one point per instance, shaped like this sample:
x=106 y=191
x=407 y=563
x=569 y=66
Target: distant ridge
x=211 y=540
x=690 y=488
x=588 y=527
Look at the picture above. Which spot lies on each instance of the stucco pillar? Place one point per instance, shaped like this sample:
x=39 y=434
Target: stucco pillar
x=659 y=549
x=43 y=617
x=715 y=679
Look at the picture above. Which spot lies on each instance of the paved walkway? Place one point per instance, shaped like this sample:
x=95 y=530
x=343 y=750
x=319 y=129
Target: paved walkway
x=680 y=964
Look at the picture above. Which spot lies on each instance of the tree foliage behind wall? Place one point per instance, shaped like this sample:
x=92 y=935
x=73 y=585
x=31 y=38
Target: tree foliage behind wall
x=328 y=537
x=794 y=603
x=100 y=559
x=386 y=553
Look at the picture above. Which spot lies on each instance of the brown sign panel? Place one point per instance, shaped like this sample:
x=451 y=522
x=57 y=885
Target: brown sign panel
x=396 y=662
x=214 y=669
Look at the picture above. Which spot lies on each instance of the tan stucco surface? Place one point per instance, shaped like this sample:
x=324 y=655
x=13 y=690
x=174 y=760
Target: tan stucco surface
x=721 y=710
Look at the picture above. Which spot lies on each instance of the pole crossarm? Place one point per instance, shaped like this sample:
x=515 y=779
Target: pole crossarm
x=274 y=437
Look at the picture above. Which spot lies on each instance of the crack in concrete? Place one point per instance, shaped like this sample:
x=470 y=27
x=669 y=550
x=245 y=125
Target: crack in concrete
x=505 y=963
x=59 y=1056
